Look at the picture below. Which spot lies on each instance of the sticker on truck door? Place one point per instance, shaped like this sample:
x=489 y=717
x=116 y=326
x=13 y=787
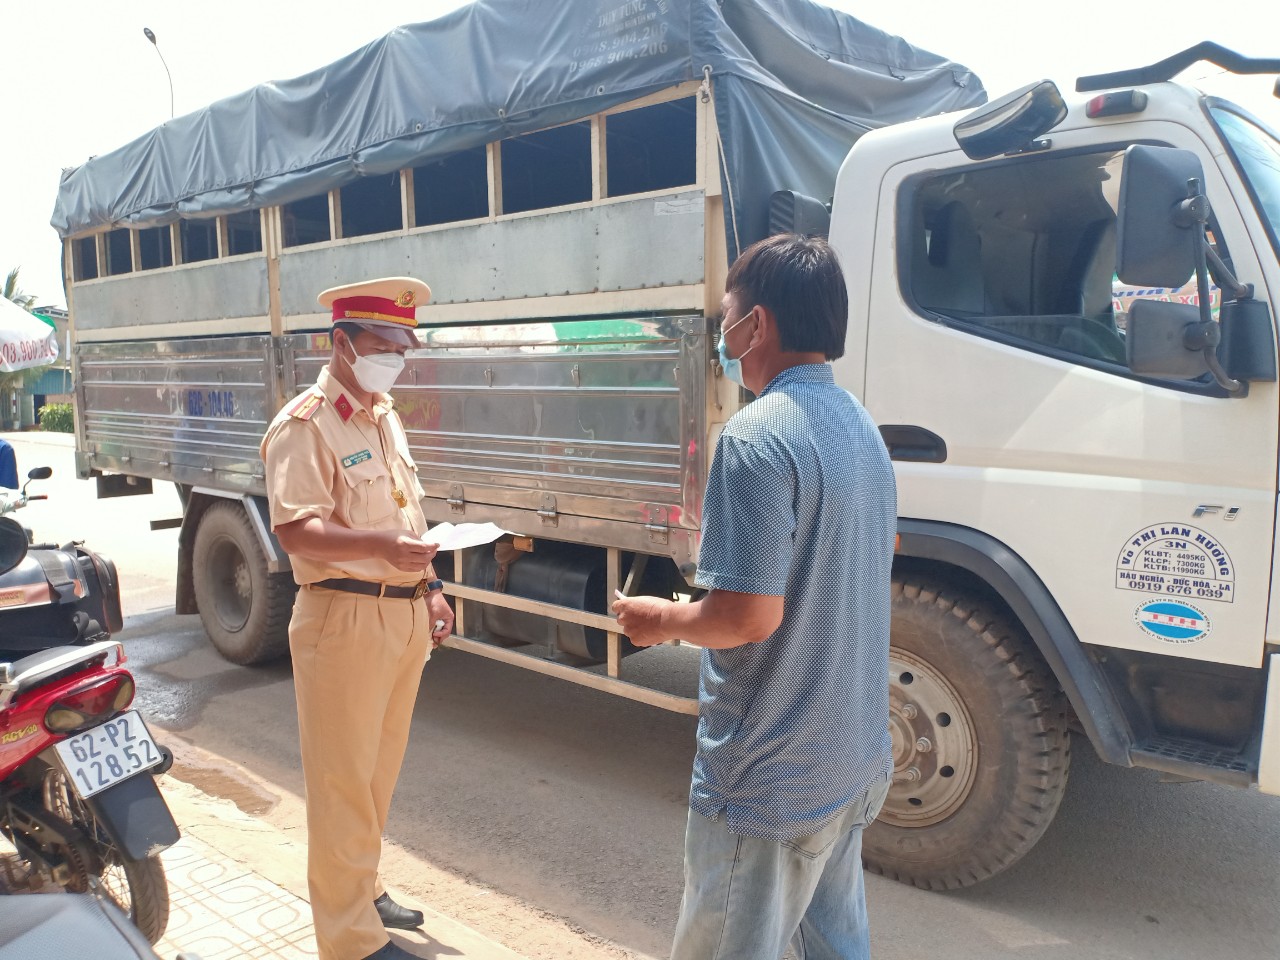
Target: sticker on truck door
x=1172 y=621
x=1175 y=560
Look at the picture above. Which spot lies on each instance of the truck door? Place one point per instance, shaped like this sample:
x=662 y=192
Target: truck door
x=1146 y=507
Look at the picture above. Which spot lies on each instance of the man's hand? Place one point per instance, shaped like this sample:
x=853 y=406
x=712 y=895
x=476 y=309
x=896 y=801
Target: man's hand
x=720 y=620
x=327 y=541
x=404 y=551
x=439 y=611
x=643 y=619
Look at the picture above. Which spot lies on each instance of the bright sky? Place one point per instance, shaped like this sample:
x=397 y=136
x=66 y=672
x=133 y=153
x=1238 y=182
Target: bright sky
x=81 y=79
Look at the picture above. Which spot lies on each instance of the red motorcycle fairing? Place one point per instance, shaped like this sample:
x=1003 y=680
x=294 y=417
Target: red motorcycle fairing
x=23 y=734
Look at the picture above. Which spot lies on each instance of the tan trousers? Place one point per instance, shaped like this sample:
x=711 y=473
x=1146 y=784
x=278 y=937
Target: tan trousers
x=356 y=665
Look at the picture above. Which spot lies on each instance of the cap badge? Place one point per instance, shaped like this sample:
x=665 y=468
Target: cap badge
x=405 y=299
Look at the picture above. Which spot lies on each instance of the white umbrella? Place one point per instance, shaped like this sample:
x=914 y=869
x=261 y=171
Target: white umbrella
x=25 y=340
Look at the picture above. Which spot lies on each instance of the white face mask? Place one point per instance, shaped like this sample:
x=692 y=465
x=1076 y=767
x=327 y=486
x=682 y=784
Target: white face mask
x=376 y=372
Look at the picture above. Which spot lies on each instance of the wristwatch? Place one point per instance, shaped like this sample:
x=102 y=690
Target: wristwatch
x=434 y=585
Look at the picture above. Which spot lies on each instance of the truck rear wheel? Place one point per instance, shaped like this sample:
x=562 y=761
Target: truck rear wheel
x=980 y=743
x=244 y=608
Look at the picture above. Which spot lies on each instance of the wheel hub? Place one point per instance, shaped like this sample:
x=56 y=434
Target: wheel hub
x=233 y=590
x=935 y=747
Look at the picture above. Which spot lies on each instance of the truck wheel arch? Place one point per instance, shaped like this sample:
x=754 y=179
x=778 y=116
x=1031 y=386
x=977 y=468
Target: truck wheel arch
x=943 y=545
x=195 y=502
x=249 y=525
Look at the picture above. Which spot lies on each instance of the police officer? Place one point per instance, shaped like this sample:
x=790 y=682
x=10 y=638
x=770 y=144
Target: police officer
x=344 y=497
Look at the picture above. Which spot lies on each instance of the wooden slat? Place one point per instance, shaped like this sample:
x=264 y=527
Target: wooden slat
x=654 y=698
x=612 y=638
x=335 y=214
x=553 y=610
x=407 y=201
x=493 y=163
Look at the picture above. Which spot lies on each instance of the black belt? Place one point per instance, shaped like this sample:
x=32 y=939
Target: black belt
x=369 y=589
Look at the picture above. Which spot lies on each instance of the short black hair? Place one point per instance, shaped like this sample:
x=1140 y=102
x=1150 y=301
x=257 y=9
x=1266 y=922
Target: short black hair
x=351 y=329
x=799 y=280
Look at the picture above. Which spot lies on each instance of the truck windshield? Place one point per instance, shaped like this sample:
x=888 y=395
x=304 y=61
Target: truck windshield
x=1257 y=152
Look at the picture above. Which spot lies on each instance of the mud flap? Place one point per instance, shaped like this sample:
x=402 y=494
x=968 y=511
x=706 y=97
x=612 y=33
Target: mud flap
x=135 y=817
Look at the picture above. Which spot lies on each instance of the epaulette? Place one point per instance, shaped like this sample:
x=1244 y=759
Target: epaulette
x=305 y=406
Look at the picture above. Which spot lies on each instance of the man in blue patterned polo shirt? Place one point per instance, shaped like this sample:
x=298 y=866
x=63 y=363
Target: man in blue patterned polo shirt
x=797 y=544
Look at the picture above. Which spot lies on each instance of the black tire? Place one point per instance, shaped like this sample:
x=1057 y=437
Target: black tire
x=139 y=889
x=245 y=609
x=981 y=745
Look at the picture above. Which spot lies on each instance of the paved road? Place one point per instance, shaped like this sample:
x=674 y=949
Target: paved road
x=574 y=802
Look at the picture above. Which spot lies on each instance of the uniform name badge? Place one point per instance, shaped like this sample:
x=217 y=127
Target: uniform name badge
x=355 y=458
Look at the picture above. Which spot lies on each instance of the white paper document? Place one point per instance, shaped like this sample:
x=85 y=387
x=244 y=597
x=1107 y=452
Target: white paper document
x=459 y=536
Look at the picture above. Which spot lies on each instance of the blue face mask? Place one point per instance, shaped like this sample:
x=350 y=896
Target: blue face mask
x=732 y=368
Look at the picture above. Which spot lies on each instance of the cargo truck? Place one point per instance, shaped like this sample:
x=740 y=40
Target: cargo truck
x=1087 y=509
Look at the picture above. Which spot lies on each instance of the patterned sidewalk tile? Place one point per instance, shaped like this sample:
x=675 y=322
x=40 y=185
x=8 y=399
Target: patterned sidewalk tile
x=220 y=910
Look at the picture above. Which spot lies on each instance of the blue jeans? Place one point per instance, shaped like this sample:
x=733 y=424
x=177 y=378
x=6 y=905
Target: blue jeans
x=747 y=898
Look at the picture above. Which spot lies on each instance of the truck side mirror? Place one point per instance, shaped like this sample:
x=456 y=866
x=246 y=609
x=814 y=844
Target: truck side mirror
x=1156 y=241
x=1155 y=340
x=1160 y=241
x=1011 y=122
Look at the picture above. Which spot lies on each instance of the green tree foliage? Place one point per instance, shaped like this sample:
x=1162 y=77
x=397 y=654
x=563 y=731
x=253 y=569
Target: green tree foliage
x=57 y=418
x=11 y=292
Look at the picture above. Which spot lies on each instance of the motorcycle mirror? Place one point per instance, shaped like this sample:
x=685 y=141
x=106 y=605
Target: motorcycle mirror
x=40 y=473
x=13 y=544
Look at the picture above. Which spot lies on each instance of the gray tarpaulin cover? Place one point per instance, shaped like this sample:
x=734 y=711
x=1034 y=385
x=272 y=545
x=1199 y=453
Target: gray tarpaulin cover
x=795 y=84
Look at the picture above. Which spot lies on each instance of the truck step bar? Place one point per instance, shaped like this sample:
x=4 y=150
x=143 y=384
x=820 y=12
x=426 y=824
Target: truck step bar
x=1195 y=759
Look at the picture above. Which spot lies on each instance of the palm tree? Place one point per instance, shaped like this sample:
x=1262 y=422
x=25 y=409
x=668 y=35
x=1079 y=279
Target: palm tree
x=11 y=292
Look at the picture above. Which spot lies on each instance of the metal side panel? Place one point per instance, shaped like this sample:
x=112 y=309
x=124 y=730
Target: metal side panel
x=190 y=411
x=601 y=418
x=214 y=290
x=625 y=245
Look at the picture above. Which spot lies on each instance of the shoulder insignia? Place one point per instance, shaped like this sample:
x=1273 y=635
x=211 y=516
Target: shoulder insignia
x=344 y=407
x=305 y=406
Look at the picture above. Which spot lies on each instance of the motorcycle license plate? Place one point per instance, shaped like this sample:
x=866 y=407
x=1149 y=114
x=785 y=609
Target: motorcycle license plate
x=109 y=753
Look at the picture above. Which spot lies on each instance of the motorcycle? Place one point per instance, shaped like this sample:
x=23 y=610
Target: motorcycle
x=54 y=928
x=78 y=798
x=47 y=587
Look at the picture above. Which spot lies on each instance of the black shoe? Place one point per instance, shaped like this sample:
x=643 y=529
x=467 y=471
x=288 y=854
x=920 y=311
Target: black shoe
x=394 y=915
x=391 y=952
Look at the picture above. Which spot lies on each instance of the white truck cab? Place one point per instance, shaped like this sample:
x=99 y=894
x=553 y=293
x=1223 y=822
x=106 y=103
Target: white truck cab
x=1087 y=532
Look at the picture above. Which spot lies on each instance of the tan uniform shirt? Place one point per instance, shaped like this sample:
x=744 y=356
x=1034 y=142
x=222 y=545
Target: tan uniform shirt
x=328 y=456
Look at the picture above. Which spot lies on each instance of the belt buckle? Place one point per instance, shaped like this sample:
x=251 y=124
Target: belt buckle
x=420 y=589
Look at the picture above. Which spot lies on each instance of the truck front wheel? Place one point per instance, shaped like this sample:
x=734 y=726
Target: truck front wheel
x=245 y=609
x=980 y=742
